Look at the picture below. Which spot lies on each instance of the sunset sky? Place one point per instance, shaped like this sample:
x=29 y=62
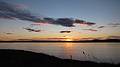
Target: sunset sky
x=59 y=19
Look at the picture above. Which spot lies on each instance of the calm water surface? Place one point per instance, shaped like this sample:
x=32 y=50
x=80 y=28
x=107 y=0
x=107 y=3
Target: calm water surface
x=99 y=52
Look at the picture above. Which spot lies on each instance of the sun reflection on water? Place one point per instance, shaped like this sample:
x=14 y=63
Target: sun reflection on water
x=69 y=49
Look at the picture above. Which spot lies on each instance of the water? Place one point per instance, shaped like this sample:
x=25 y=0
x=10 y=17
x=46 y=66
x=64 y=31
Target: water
x=98 y=52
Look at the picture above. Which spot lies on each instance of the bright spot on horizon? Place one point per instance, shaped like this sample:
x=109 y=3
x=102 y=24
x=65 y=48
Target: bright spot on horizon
x=69 y=39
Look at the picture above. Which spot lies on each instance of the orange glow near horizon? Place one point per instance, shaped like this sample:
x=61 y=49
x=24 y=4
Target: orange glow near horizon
x=69 y=39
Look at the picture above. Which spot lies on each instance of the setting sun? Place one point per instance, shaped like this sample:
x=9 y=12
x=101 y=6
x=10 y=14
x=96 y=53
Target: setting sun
x=69 y=39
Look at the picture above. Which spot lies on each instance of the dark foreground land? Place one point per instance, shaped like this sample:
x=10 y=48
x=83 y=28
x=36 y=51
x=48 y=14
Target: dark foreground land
x=20 y=58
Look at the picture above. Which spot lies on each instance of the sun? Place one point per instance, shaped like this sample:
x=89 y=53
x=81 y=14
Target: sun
x=69 y=39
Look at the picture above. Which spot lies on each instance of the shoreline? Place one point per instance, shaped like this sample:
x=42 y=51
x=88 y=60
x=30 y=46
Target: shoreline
x=82 y=41
x=21 y=58
x=59 y=41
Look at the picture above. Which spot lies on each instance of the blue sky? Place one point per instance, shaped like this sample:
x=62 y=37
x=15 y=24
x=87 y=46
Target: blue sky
x=101 y=12
x=90 y=10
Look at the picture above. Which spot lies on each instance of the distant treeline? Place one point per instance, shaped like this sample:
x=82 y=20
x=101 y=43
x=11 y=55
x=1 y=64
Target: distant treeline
x=95 y=40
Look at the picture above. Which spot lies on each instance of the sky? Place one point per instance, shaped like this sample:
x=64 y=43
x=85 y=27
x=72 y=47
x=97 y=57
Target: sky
x=59 y=19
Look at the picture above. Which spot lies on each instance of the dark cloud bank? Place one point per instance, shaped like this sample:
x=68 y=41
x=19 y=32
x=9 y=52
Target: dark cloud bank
x=11 y=11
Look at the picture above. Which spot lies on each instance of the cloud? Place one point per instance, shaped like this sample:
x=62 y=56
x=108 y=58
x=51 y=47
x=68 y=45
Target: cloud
x=65 y=31
x=114 y=37
x=101 y=26
x=12 y=11
x=32 y=30
x=9 y=33
x=114 y=24
x=84 y=22
x=65 y=22
x=91 y=30
x=90 y=38
x=23 y=39
x=57 y=38
x=49 y=20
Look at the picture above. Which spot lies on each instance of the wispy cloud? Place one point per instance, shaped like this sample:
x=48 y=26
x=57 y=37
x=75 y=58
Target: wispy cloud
x=12 y=11
x=9 y=33
x=24 y=39
x=114 y=24
x=32 y=30
x=91 y=30
x=84 y=22
x=101 y=26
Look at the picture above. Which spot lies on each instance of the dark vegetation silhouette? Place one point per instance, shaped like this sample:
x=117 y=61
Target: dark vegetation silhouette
x=84 y=41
